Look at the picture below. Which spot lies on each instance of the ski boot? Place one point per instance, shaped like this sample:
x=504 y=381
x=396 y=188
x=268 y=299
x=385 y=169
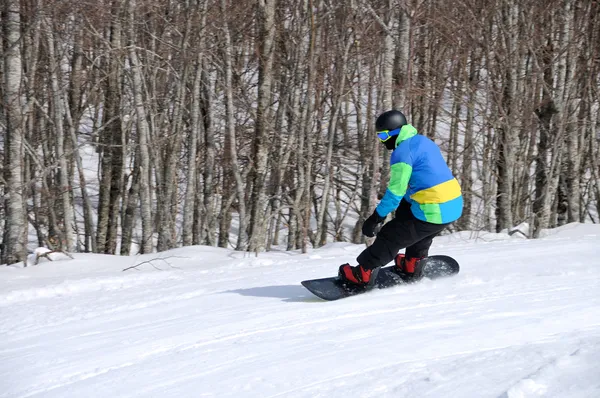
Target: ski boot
x=357 y=276
x=407 y=267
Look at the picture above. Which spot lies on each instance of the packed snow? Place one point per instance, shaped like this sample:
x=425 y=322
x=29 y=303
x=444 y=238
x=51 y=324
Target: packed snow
x=522 y=319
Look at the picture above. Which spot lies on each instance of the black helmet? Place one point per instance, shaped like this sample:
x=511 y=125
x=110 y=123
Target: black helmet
x=390 y=120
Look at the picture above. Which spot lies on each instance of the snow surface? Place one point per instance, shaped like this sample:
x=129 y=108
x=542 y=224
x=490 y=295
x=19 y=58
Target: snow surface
x=522 y=319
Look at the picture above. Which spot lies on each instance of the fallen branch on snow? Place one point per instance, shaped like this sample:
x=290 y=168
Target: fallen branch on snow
x=151 y=262
x=46 y=254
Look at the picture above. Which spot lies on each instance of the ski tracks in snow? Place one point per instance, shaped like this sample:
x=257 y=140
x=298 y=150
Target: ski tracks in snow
x=574 y=374
x=512 y=324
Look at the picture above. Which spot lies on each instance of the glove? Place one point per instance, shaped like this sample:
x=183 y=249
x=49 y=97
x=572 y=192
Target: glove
x=371 y=224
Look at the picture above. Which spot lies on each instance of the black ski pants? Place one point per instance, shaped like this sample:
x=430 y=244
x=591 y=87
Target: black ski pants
x=403 y=231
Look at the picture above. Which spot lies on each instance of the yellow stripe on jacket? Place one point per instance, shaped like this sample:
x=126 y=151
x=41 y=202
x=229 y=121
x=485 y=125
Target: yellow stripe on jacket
x=440 y=193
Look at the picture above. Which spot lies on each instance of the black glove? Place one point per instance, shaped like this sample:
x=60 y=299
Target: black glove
x=371 y=224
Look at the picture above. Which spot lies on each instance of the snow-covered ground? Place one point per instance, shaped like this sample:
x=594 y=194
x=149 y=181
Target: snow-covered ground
x=522 y=319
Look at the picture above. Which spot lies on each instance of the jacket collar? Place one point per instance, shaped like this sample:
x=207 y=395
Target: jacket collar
x=407 y=131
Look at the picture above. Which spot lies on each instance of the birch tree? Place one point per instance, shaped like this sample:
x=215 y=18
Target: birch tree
x=192 y=161
x=14 y=237
x=67 y=235
x=242 y=240
x=266 y=29
x=143 y=132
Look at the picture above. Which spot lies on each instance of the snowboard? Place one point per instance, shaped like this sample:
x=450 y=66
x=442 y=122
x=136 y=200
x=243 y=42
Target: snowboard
x=432 y=267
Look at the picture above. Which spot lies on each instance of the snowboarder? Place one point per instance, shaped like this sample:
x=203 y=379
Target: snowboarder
x=424 y=193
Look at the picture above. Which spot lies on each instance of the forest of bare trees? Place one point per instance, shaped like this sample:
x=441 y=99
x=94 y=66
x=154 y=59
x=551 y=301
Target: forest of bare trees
x=132 y=126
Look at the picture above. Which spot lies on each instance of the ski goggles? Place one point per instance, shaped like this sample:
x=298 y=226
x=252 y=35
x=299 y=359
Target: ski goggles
x=385 y=135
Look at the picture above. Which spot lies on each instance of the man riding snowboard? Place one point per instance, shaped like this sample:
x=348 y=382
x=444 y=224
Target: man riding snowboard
x=422 y=191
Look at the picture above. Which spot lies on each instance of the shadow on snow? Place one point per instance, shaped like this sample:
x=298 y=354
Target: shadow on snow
x=288 y=293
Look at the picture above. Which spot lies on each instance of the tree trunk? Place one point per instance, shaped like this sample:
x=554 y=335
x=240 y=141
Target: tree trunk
x=452 y=154
x=111 y=171
x=14 y=247
x=266 y=26
x=242 y=241
x=130 y=206
x=208 y=224
x=143 y=132
x=573 y=132
x=508 y=123
x=466 y=178
x=192 y=161
x=387 y=80
x=403 y=63
x=67 y=241
x=306 y=158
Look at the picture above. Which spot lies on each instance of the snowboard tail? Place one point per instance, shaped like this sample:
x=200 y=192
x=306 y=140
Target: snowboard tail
x=432 y=267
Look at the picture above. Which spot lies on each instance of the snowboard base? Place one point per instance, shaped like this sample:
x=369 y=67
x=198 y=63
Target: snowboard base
x=432 y=267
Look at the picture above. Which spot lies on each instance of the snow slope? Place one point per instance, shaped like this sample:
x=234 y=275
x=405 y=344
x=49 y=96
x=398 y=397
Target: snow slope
x=522 y=319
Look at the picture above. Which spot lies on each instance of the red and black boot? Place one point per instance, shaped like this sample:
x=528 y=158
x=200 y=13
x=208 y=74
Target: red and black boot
x=357 y=276
x=407 y=267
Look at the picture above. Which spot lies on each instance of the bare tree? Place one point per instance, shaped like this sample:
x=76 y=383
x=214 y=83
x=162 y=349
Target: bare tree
x=266 y=26
x=13 y=248
x=67 y=241
x=242 y=241
x=192 y=164
x=206 y=112
x=143 y=131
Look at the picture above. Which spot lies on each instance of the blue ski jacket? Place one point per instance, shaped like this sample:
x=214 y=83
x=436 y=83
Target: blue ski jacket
x=419 y=174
